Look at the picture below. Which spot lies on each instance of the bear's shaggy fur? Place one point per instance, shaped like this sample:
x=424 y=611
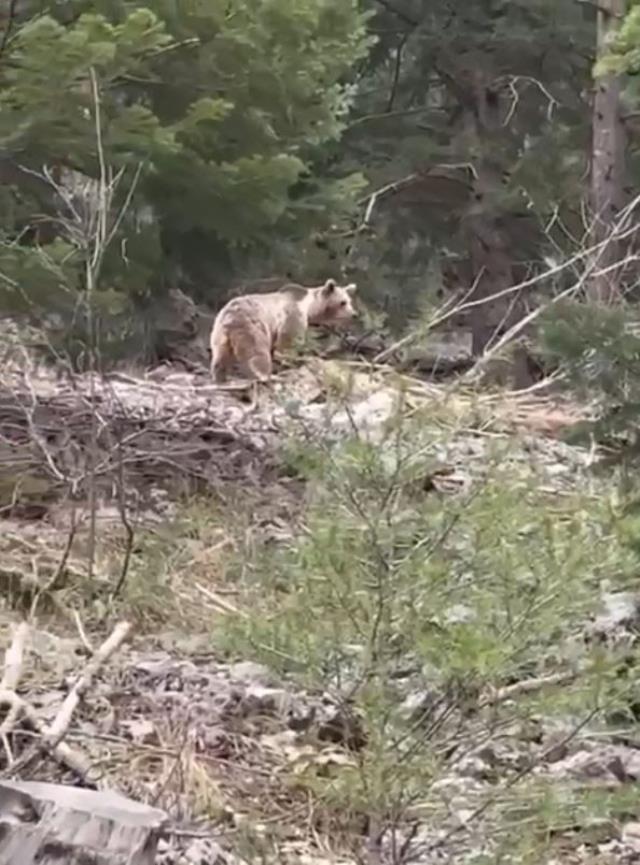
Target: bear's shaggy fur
x=250 y=329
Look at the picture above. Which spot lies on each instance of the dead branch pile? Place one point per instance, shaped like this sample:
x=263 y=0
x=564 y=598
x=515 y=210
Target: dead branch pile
x=20 y=713
x=125 y=438
x=50 y=823
x=59 y=437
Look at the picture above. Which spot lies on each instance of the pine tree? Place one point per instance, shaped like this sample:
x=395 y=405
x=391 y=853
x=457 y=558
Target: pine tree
x=220 y=106
x=484 y=108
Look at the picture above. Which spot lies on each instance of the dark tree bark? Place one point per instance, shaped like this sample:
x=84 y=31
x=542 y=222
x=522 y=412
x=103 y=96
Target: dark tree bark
x=607 y=160
x=484 y=225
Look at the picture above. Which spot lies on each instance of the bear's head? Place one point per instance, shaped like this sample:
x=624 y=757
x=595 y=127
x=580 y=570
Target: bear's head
x=331 y=303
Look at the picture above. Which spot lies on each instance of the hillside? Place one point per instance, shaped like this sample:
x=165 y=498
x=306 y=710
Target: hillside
x=374 y=619
x=384 y=611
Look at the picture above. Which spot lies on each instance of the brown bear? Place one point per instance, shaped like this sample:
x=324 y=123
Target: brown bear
x=250 y=329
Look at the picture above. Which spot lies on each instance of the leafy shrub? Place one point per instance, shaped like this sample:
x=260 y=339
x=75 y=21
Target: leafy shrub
x=414 y=608
x=599 y=350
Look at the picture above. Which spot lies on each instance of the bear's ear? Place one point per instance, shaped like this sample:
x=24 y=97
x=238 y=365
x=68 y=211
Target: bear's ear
x=329 y=287
x=351 y=288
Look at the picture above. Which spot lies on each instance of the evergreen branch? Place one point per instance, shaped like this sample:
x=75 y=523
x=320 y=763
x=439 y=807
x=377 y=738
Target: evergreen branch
x=9 y=27
x=526 y=770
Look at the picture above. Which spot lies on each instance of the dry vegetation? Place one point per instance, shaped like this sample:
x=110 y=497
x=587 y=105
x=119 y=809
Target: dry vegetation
x=311 y=676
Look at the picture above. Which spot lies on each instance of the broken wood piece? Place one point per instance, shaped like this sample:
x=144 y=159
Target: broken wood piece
x=528 y=686
x=221 y=603
x=51 y=824
x=12 y=671
x=51 y=735
x=13 y=658
x=71 y=758
x=58 y=729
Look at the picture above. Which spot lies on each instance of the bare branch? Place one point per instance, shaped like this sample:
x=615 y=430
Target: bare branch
x=13 y=658
x=58 y=729
x=442 y=316
x=621 y=231
x=102 y=211
x=58 y=574
x=512 y=82
x=396 y=72
x=124 y=518
x=20 y=708
x=404 y=182
x=528 y=686
x=592 y=255
x=384 y=191
x=81 y=632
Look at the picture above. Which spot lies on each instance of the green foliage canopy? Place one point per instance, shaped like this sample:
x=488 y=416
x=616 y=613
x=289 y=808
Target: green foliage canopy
x=224 y=105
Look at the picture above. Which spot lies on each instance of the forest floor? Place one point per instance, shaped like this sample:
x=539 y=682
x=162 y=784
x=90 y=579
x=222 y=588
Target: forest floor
x=154 y=497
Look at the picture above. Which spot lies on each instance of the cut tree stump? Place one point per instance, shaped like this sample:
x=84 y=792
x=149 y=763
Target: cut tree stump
x=50 y=824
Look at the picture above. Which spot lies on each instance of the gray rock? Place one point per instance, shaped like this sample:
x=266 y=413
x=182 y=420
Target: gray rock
x=258 y=700
x=192 y=851
x=248 y=672
x=416 y=704
x=460 y=613
x=631 y=836
x=609 y=764
x=619 y=619
x=621 y=608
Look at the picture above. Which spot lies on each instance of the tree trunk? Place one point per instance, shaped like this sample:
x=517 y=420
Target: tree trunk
x=493 y=272
x=487 y=237
x=607 y=160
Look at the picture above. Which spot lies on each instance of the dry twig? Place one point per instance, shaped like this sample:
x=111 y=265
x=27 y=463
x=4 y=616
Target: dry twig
x=50 y=736
x=58 y=729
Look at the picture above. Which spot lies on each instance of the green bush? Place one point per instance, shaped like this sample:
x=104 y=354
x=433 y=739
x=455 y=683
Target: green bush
x=391 y=594
x=598 y=349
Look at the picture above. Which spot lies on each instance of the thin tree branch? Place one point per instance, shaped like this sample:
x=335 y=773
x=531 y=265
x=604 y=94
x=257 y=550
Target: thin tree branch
x=58 y=729
x=396 y=72
x=621 y=232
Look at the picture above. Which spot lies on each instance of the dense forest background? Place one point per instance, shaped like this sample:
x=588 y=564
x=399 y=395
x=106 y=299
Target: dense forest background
x=381 y=614
x=427 y=150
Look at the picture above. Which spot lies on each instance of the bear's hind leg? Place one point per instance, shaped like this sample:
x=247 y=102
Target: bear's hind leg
x=254 y=357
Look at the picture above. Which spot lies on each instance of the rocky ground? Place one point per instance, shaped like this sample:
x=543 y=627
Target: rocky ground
x=217 y=743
